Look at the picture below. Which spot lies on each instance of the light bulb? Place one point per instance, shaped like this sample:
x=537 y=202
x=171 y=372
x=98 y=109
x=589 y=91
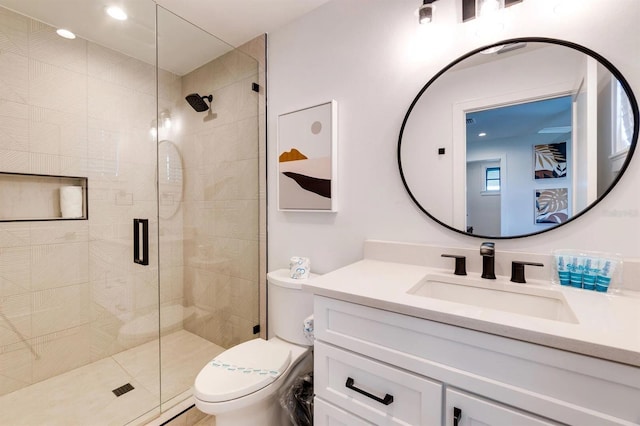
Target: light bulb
x=489 y=7
x=425 y=13
x=117 y=13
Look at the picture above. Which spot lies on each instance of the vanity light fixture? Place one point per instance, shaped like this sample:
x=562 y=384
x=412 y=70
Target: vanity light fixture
x=472 y=9
x=425 y=12
x=164 y=119
x=117 y=13
x=65 y=33
x=488 y=7
x=482 y=134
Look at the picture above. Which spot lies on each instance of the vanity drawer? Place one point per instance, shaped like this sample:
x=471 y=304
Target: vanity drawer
x=474 y=410
x=325 y=414
x=377 y=392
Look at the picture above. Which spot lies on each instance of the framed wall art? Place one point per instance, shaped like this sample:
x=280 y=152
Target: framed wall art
x=550 y=160
x=307 y=160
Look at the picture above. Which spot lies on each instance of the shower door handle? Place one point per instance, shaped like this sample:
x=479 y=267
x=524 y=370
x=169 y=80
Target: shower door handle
x=141 y=238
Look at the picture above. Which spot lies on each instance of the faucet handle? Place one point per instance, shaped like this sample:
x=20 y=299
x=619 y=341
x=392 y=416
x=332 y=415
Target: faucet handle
x=517 y=270
x=461 y=263
x=488 y=249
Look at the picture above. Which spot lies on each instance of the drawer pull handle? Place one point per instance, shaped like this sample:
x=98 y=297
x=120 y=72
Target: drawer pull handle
x=388 y=399
x=457 y=415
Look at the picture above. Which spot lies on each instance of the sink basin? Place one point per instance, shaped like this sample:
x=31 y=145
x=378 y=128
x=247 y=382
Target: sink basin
x=523 y=299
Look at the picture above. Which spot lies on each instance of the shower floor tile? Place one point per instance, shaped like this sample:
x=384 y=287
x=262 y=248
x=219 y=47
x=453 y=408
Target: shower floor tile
x=84 y=396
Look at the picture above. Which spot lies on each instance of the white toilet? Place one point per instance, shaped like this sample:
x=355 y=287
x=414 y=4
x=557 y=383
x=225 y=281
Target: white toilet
x=241 y=386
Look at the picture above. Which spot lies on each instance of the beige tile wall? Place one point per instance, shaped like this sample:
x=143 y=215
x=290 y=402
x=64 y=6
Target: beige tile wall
x=77 y=108
x=222 y=200
x=71 y=107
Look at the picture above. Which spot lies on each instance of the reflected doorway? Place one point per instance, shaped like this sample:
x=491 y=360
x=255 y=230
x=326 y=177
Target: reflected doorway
x=508 y=151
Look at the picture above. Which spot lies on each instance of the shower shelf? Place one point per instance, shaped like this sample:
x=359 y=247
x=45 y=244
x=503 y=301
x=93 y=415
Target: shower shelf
x=32 y=197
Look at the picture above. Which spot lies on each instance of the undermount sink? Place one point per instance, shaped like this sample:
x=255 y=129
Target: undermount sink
x=499 y=295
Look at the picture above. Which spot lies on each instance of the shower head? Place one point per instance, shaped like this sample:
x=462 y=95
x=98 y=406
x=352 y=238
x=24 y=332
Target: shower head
x=197 y=102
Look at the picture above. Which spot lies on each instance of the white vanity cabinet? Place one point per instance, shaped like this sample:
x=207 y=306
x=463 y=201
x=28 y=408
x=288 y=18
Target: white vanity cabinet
x=463 y=409
x=433 y=371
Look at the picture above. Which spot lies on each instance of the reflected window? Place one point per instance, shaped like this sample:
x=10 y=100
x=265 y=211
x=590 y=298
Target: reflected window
x=492 y=179
x=623 y=120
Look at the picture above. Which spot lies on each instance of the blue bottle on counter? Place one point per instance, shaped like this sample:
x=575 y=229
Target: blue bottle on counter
x=563 y=270
x=604 y=276
x=590 y=273
x=576 y=270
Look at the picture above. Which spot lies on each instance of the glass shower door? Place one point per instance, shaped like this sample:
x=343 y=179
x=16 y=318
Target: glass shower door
x=208 y=199
x=78 y=317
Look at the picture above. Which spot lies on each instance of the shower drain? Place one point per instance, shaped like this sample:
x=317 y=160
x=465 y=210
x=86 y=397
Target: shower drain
x=123 y=389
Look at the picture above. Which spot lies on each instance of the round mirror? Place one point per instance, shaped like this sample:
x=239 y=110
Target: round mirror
x=169 y=179
x=517 y=138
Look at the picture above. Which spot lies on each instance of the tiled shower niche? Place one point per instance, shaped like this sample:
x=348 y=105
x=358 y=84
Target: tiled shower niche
x=27 y=197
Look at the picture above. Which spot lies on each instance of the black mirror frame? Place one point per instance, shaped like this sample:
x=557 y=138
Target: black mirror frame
x=599 y=58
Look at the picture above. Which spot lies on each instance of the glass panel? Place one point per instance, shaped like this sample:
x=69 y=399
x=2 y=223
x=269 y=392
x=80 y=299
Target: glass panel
x=493 y=173
x=493 y=185
x=78 y=318
x=209 y=208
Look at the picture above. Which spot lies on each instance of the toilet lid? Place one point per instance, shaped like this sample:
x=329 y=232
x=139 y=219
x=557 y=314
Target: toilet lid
x=241 y=370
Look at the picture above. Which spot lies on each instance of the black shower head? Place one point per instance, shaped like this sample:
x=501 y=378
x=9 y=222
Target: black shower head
x=197 y=102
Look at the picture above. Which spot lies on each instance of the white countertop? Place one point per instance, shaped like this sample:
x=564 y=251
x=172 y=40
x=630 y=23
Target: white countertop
x=608 y=325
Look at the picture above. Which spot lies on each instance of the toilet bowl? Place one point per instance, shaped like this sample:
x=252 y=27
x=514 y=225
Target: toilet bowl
x=242 y=385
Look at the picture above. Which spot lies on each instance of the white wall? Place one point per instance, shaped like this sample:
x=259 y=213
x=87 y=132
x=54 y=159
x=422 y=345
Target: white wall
x=483 y=209
x=372 y=57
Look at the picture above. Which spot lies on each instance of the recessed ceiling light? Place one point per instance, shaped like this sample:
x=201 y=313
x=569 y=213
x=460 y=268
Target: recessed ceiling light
x=65 y=33
x=482 y=134
x=116 y=13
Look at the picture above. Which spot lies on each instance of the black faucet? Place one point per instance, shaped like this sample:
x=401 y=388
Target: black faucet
x=488 y=253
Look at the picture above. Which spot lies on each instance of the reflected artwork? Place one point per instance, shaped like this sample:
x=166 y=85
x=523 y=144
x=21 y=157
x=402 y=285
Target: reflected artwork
x=552 y=205
x=550 y=160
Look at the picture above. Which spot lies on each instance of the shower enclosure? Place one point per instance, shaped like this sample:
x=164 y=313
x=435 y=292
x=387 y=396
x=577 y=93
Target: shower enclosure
x=107 y=318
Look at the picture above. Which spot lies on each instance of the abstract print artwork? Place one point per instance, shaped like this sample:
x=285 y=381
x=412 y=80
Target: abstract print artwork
x=550 y=160
x=552 y=205
x=307 y=159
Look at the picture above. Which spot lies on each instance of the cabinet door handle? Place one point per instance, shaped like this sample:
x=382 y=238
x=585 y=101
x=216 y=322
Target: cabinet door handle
x=141 y=254
x=388 y=399
x=457 y=415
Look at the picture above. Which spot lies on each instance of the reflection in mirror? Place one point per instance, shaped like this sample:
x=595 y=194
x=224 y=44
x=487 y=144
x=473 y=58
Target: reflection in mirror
x=534 y=131
x=170 y=183
x=501 y=144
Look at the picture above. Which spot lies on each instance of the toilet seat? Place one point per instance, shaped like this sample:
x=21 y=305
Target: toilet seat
x=241 y=370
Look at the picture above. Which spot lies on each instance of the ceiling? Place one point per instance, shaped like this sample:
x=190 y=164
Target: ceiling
x=515 y=122
x=232 y=22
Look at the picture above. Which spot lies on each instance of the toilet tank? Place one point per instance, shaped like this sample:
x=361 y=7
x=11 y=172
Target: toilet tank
x=288 y=307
